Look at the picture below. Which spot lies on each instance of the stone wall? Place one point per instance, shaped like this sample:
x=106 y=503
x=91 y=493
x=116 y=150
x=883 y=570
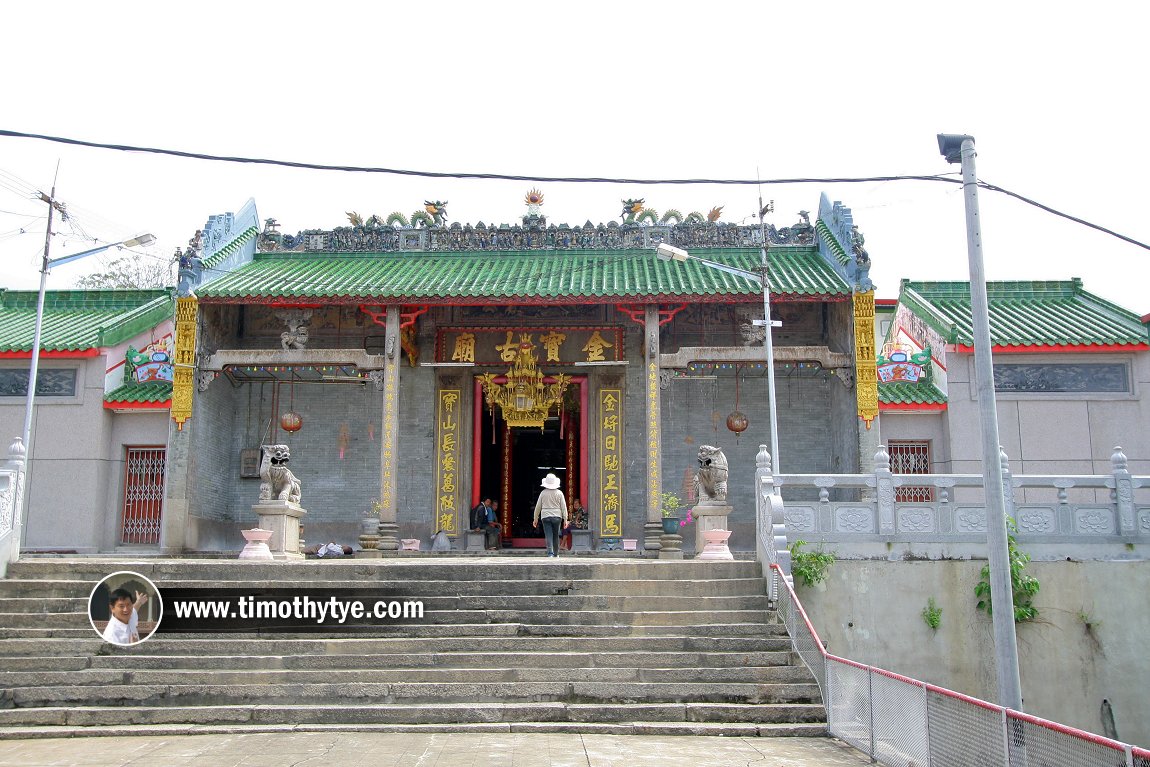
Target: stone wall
x=1088 y=644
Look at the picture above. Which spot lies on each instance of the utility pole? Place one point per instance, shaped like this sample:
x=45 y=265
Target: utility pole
x=33 y=370
x=960 y=148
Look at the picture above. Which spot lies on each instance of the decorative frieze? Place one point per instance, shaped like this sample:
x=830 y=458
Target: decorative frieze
x=535 y=235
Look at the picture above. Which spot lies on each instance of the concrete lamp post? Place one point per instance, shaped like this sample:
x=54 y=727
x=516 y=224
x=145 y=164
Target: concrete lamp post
x=48 y=263
x=960 y=148
x=671 y=253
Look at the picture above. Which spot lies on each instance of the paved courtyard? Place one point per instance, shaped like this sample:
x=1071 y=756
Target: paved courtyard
x=356 y=749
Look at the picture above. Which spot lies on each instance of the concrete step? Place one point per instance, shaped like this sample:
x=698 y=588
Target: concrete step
x=749 y=630
x=174 y=644
x=451 y=617
x=506 y=644
x=513 y=660
x=715 y=729
x=415 y=673
x=411 y=692
x=523 y=603
x=366 y=573
x=406 y=714
x=34 y=588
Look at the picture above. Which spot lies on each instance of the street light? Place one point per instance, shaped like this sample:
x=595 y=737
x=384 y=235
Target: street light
x=671 y=253
x=960 y=148
x=48 y=263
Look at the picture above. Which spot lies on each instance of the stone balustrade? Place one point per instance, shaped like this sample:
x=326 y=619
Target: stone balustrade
x=1088 y=517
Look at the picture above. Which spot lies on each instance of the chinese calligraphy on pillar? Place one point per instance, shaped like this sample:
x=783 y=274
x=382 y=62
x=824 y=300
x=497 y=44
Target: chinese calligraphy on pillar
x=654 y=475
x=387 y=454
x=447 y=455
x=183 y=377
x=611 y=470
x=866 y=374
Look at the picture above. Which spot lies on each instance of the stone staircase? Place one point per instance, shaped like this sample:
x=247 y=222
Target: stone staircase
x=507 y=645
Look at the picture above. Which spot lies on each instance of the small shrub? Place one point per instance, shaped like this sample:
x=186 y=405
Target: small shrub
x=811 y=566
x=932 y=614
x=1023 y=587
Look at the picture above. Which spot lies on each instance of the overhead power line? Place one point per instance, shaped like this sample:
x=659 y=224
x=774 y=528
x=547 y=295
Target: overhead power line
x=944 y=178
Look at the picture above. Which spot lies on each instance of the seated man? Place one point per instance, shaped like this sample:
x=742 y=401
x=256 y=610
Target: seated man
x=491 y=540
x=479 y=515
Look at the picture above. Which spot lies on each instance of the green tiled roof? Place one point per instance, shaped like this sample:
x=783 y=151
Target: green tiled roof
x=1025 y=314
x=238 y=242
x=153 y=391
x=76 y=320
x=903 y=393
x=567 y=276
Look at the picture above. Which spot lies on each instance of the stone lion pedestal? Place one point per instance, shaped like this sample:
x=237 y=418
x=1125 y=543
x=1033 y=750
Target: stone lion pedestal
x=709 y=515
x=283 y=519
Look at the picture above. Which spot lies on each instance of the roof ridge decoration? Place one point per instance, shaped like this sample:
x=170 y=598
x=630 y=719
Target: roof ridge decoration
x=842 y=244
x=641 y=227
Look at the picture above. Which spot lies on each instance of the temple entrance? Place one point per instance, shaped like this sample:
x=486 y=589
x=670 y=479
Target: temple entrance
x=512 y=462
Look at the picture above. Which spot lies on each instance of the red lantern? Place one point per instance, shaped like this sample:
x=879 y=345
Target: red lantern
x=291 y=421
x=737 y=422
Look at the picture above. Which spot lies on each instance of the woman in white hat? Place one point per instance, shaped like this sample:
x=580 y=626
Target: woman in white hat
x=551 y=508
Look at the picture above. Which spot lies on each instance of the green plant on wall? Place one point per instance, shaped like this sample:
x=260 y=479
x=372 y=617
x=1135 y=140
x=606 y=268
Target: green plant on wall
x=811 y=566
x=1023 y=587
x=932 y=614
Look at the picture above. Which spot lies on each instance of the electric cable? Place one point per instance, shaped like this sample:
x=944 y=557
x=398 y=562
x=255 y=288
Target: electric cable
x=940 y=177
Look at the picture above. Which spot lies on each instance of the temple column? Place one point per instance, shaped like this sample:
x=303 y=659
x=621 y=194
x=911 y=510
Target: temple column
x=388 y=486
x=653 y=529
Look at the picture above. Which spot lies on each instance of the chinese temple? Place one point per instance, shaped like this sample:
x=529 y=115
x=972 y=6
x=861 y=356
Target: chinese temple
x=414 y=367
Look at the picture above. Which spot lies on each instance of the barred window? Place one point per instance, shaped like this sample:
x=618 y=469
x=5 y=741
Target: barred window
x=911 y=457
x=50 y=382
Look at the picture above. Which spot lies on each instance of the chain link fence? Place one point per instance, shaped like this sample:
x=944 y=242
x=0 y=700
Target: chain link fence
x=902 y=722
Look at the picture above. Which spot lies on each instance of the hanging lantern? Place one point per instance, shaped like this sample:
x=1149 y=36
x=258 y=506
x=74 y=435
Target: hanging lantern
x=737 y=420
x=291 y=421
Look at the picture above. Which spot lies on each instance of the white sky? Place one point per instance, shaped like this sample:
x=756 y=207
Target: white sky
x=1054 y=94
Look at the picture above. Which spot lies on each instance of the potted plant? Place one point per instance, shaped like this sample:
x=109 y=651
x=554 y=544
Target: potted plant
x=672 y=508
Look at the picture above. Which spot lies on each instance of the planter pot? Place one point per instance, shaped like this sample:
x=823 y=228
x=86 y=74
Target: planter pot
x=257 y=544
x=671 y=525
x=716 y=547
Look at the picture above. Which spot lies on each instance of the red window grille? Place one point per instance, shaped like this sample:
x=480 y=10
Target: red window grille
x=911 y=457
x=143 y=495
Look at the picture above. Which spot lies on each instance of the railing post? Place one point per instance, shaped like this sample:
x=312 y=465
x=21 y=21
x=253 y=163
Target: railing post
x=884 y=487
x=1123 y=492
x=870 y=706
x=764 y=524
x=12 y=505
x=1007 y=483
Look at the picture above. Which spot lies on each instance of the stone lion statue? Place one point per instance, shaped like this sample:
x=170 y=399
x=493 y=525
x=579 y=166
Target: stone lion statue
x=711 y=478
x=278 y=484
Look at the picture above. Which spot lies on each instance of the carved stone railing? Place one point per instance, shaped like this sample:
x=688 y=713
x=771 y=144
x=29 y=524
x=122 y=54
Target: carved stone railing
x=11 y=502
x=954 y=525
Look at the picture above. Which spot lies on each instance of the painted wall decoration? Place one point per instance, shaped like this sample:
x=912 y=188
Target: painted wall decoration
x=898 y=363
x=866 y=373
x=611 y=469
x=183 y=377
x=500 y=346
x=447 y=461
x=152 y=363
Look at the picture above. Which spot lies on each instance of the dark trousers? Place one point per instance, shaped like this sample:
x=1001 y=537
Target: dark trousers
x=491 y=537
x=551 y=528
